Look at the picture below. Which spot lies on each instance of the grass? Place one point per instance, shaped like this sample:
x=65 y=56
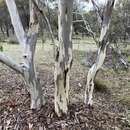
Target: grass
x=129 y=58
x=108 y=80
x=100 y=85
x=14 y=50
x=44 y=55
x=126 y=99
x=84 y=40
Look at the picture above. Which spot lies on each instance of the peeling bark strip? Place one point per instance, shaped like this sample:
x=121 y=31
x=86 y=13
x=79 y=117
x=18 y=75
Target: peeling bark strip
x=28 y=42
x=63 y=60
x=103 y=42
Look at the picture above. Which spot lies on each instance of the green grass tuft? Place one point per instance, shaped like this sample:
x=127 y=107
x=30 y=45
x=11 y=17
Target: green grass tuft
x=129 y=58
x=100 y=86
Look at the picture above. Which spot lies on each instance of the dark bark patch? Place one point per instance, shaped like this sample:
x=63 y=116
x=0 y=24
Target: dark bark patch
x=57 y=55
x=103 y=46
x=71 y=63
x=57 y=85
x=62 y=65
x=61 y=22
x=65 y=75
x=66 y=11
x=103 y=43
x=61 y=98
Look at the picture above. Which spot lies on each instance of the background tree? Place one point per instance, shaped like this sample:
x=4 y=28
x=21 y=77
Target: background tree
x=120 y=24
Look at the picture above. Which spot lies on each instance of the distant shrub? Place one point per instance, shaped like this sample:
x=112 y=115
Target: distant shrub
x=13 y=40
x=100 y=85
x=43 y=40
x=129 y=58
x=1 y=48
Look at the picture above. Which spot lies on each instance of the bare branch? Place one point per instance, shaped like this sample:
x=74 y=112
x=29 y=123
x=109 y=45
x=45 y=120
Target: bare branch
x=40 y=7
x=10 y=63
x=121 y=57
x=87 y=26
x=98 y=11
x=91 y=33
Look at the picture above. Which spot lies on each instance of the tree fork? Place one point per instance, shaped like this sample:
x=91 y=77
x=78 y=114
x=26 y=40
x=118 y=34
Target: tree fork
x=28 y=42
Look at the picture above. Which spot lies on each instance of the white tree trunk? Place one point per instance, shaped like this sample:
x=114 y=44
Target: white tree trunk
x=28 y=42
x=63 y=61
x=103 y=42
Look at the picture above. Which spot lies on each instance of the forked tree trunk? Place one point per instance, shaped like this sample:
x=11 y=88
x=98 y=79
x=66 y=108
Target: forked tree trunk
x=103 y=42
x=30 y=75
x=63 y=61
x=28 y=42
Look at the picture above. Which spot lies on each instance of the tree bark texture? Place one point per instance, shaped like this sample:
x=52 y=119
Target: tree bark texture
x=63 y=61
x=28 y=42
x=103 y=42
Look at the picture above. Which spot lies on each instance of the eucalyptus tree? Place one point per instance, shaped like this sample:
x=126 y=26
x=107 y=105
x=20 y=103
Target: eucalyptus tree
x=28 y=44
x=63 y=60
x=103 y=43
x=5 y=21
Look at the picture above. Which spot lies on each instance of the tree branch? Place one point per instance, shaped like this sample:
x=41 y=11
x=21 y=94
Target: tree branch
x=10 y=63
x=91 y=33
x=87 y=26
x=40 y=8
x=89 y=29
x=98 y=12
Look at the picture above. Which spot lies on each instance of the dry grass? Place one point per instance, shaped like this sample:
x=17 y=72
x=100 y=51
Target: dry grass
x=111 y=87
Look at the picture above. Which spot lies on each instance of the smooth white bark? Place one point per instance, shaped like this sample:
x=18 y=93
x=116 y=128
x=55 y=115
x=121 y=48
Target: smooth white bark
x=10 y=62
x=16 y=22
x=103 y=42
x=28 y=42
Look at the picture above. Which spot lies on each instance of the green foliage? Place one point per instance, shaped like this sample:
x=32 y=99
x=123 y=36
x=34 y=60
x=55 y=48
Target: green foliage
x=13 y=40
x=1 y=48
x=125 y=100
x=92 y=20
x=120 y=23
x=100 y=86
x=129 y=58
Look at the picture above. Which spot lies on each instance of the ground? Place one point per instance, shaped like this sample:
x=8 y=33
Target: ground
x=111 y=97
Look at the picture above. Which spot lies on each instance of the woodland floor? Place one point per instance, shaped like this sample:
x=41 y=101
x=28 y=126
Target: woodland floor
x=111 y=109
